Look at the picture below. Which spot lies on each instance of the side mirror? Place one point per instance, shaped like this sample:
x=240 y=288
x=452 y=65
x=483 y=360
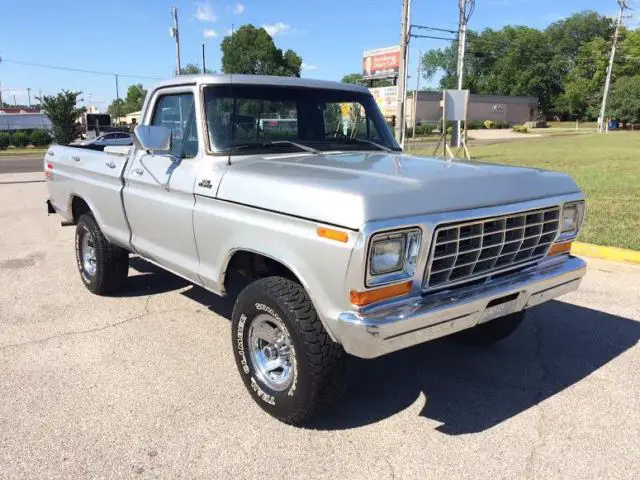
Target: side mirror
x=153 y=138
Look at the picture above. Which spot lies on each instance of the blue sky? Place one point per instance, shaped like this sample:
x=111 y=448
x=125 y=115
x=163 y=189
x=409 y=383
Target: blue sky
x=131 y=36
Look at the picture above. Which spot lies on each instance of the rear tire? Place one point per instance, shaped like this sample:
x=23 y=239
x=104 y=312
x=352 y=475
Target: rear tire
x=491 y=332
x=287 y=361
x=103 y=266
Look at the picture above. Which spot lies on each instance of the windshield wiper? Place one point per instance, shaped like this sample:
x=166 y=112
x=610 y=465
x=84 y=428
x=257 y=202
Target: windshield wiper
x=244 y=146
x=295 y=144
x=369 y=142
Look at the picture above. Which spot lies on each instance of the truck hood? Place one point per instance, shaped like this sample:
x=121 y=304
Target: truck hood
x=351 y=188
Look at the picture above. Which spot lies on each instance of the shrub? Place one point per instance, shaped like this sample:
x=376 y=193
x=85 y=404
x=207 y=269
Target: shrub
x=489 y=124
x=449 y=130
x=40 y=138
x=475 y=125
x=4 y=140
x=449 y=124
x=502 y=124
x=425 y=128
x=20 y=139
x=520 y=129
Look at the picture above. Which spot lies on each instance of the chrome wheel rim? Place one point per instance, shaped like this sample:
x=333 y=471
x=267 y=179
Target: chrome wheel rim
x=271 y=352
x=88 y=253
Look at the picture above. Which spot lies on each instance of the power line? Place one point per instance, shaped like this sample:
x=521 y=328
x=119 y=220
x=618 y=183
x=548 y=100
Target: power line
x=72 y=69
x=431 y=36
x=424 y=27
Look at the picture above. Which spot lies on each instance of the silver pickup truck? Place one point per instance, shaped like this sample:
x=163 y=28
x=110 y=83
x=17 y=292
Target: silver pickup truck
x=292 y=197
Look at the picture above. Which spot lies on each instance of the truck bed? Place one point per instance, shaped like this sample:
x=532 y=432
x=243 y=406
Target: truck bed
x=79 y=174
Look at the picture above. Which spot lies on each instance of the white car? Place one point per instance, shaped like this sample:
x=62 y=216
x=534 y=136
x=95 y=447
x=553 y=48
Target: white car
x=111 y=139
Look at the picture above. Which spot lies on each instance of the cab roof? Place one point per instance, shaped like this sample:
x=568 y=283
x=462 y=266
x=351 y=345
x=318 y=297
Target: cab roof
x=237 y=79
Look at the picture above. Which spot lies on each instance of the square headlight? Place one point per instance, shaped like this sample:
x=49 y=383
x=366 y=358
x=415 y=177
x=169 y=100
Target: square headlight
x=571 y=219
x=387 y=255
x=393 y=256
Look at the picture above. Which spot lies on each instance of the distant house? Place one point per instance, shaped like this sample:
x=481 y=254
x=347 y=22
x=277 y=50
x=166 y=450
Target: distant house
x=515 y=110
x=23 y=119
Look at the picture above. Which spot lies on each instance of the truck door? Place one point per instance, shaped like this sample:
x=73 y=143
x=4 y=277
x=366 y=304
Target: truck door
x=158 y=195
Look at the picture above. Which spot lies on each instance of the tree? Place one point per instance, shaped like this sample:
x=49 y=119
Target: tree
x=624 y=102
x=63 y=112
x=135 y=97
x=192 y=69
x=353 y=78
x=562 y=65
x=251 y=50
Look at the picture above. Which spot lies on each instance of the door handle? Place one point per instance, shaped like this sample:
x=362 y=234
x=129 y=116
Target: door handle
x=137 y=172
x=111 y=164
x=75 y=158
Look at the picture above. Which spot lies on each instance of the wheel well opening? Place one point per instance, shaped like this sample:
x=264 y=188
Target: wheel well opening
x=78 y=207
x=246 y=267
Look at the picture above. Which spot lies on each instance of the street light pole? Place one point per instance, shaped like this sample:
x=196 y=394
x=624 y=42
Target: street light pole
x=402 y=76
x=462 y=46
x=607 y=83
x=175 y=33
x=29 y=95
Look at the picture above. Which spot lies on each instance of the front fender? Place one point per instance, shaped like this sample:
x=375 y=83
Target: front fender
x=223 y=228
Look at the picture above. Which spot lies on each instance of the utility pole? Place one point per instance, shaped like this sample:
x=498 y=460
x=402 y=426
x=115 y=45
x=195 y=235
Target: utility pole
x=466 y=8
x=117 y=99
x=1 y=104
x=402 y=71
x=29 y=95
x=175 y=33
x=204 y=69
x=415 y=95
x=623 y=5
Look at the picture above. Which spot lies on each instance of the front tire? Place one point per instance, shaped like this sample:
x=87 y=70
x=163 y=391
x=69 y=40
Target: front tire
x=287 y=361
x=103 y=266
x=492 y=331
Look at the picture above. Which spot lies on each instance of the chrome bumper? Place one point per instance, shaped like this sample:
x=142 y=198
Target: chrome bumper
x=393 y=326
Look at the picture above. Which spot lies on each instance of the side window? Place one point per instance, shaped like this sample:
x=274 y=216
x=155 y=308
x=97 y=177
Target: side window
x=177 y=113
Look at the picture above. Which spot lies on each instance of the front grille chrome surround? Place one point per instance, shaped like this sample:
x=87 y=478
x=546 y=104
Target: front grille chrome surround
x=466 y=251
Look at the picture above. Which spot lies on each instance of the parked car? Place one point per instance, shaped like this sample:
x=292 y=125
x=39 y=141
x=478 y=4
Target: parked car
x=113 y=138
x=333 y=240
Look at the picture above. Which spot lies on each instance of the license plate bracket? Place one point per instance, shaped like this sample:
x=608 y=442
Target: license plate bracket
x=500 y=307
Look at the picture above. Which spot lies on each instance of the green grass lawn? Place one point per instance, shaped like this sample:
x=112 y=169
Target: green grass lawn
x=606 y=167
x=11 y=152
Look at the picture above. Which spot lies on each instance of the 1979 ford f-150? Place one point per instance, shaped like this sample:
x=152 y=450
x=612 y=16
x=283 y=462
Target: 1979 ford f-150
x=293 y=196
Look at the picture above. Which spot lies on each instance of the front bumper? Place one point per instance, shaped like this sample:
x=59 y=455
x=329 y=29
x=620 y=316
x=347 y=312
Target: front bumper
x=393 y=326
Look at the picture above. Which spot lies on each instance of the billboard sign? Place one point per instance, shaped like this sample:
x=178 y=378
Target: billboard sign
x=387 y=99
x=381 y=63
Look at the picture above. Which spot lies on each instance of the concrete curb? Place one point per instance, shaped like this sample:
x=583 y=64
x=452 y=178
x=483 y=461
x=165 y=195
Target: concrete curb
x=606 y=253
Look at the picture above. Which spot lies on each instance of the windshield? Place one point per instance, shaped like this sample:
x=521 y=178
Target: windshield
x=257 y=118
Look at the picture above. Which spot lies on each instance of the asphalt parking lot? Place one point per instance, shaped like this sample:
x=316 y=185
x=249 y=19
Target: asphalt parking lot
x=144 y=385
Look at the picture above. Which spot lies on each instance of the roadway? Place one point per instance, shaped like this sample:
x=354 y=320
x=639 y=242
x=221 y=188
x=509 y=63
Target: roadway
x=21 y=164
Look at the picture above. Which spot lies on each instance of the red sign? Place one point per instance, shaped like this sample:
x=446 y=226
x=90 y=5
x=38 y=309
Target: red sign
x=381 y=63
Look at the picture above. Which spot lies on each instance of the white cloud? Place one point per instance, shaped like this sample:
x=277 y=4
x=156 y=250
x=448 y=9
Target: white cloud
x=205 y=13
x=238 y=9
x=277 y=28
x=210 y=33
x=306 y=66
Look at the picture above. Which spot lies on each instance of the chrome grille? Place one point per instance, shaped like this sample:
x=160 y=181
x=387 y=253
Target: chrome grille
x=469 y=250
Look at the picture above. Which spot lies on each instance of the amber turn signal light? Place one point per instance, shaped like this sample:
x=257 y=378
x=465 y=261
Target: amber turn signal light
x=331 y=234
x=361 y=299
x=558 y=248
